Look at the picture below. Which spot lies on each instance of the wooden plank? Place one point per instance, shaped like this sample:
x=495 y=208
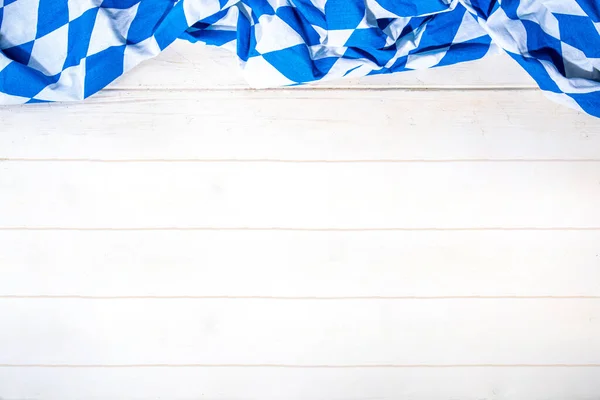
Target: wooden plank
x=299 y=332
x=184 y=65
x=300 y=264
x=302 y=125
x=303 y=384
x=266 y=195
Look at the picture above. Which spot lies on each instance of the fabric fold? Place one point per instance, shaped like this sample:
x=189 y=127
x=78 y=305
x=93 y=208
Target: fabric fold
x=59 y=50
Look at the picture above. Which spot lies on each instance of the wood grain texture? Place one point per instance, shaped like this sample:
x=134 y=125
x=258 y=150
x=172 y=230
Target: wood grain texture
x=417 y=235
x=300 y=264
x=301 y=125
x=300 y=196
x=184 y=65
x=300 y=332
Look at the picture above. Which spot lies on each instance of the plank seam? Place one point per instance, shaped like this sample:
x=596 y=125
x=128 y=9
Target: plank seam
x=305 y=366
x=294 y=298
x=299 y=161
x=291 y=229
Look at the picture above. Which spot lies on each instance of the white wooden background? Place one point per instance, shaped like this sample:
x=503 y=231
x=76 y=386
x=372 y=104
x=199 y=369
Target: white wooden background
x=426 y=235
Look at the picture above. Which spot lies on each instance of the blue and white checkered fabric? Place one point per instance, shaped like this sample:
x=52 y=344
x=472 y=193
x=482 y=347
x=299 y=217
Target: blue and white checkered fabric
x=53 y=50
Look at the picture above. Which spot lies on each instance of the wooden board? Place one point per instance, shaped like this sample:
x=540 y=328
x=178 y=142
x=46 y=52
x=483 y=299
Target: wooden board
x=300 y=332
x=225 y=383
x=300 y=264
x=313 y=196
x=302 y=125
x=424 y=235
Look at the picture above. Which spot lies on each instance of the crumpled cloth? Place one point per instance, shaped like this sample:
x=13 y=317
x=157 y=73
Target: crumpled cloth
x=57 y=50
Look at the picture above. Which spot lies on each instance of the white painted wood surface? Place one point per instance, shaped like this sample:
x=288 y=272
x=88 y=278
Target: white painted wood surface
x=300 y=332
x=321 y=196
x=302 y=125
x=429 y=235
x=296 y=264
